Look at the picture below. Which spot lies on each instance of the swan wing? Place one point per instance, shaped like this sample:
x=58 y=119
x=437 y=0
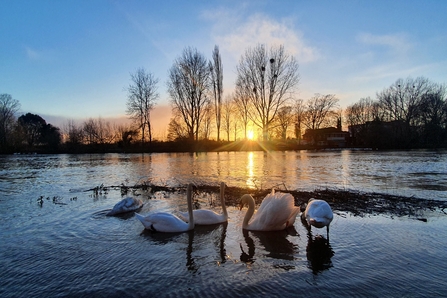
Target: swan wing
x=204 y=217
x=293 y=214
x=126 y=205
x=163 y=222
x=277 y=211
x=266 y=202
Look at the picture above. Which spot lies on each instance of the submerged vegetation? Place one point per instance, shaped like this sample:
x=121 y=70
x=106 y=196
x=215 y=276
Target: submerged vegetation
x=341 y=200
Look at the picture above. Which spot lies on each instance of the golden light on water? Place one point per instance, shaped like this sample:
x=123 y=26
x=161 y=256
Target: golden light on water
x=250 y=173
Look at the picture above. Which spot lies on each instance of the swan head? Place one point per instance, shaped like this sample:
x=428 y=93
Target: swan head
x=303 y=206
x=245 y=200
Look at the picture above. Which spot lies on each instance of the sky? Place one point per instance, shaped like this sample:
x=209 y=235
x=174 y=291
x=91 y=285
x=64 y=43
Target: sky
x=72 y=59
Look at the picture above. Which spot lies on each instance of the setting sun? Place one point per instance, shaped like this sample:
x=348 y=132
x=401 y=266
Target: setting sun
x=250 y=134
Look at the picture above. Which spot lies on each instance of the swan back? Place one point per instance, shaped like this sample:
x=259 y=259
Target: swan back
x=318 y=213
x=166 y=222
x=209 y=217
x=126 y=205
x=277 y=212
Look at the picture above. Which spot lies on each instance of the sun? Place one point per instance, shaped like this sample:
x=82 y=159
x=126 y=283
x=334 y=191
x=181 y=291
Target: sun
x=250 y=134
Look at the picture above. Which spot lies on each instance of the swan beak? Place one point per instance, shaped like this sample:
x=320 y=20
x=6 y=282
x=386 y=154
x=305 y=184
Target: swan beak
x=241 y=206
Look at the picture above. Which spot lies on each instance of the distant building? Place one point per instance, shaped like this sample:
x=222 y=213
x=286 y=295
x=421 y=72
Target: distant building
x=326 y=137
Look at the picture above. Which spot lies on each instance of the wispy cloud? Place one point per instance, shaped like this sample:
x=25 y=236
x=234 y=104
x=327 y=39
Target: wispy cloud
x=396 y=42
x=393 y=71
x=235 y=33
x=41 y=55
x=32 y=54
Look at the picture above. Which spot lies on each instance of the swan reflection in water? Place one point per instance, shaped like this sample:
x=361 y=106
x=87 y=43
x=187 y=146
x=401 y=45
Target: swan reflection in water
x=275 y=243
x=318 y=251
x=198 y=240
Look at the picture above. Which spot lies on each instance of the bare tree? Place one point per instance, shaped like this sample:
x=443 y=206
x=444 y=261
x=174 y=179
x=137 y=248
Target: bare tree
x=299 y=111
x=142 y=95
x=319 y=110
x=228 y=112
x=188 y=85
x=74 y=133
x=97 y=131
x=125 y=134
x=401 y=100
x=433 y=116
x=401 y=105
x=176 y=128
x=360 y=112
x=8 y=109
x=216 y=71
x=242 y=109
x=90 y=131
x=207 y=126
x=284 y=121
x=266 y=79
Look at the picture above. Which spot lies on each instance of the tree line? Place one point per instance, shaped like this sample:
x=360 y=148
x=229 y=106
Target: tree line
x=411 y=113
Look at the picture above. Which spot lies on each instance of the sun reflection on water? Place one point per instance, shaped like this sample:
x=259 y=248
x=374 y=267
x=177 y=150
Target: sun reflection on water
x=250 y=170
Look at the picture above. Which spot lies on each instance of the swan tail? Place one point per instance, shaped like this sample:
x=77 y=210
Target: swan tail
x=142 y=219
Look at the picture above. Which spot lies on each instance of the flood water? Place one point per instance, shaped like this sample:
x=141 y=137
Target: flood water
x=67 y=246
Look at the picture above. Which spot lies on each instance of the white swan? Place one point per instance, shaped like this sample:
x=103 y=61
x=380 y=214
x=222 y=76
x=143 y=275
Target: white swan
x=318 y=213
x=126 y=205
x=277 y=212
x=209 y=217
x=166 y=222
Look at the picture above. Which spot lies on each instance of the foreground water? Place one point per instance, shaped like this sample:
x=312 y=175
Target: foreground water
x=67 y=246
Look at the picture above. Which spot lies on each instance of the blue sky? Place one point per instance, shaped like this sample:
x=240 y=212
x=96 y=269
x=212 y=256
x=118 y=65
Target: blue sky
x=73 y=59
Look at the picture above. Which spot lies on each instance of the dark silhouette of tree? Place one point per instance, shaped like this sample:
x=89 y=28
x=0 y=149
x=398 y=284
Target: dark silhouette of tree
x=299 y=111
x=32 y=126
x=51 y=137
x=243 y=105
x=433 y=110
x=74 y=135
x=400 y=103
x=228 y=116
x=266 y=79
x=284 y=120
x=97 y=131
x=125 y=135
x=207 y=127
x=216 y=71
x=39 y=134
x=177 y=129
x=319 y=111
x=141 y=98
x=360 y=112
x=8 y=109
x=188 y=85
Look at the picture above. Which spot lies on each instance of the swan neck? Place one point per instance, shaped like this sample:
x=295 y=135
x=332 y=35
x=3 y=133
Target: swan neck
x=222 y=200
x=248 y=199
x=190 y=213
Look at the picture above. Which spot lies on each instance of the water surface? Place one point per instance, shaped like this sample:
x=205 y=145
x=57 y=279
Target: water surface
x=68 y=247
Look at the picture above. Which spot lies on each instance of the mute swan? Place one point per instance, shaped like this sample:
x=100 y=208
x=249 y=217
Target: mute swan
x=318 y=213
x=277 y=212
x=208 y=217
x=166 y=222
x=126 y=205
